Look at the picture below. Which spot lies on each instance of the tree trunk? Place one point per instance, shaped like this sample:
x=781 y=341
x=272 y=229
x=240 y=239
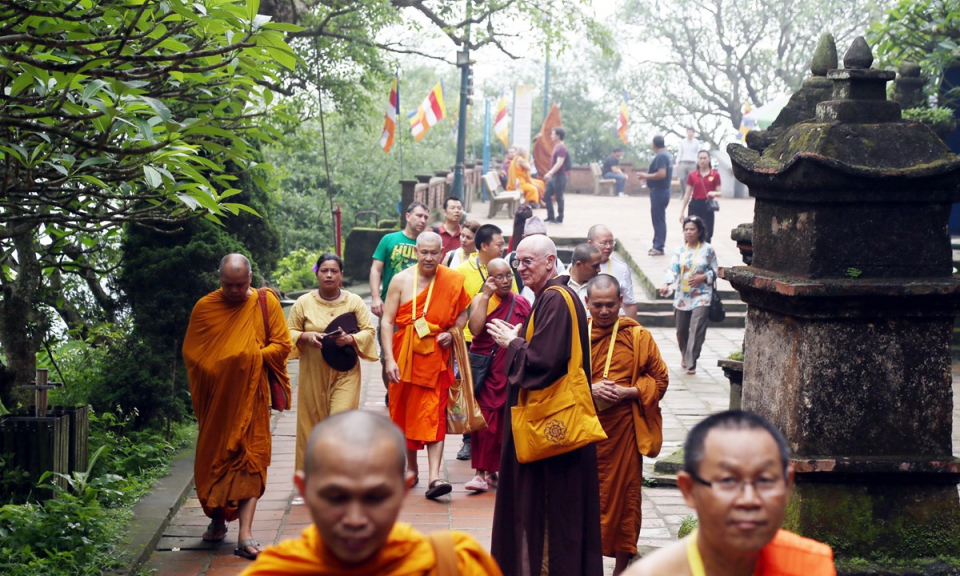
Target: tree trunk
x=22 y=325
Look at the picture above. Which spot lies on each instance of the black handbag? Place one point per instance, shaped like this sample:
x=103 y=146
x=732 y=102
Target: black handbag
x=480 y=363
x=713 y=205
x=716 y=313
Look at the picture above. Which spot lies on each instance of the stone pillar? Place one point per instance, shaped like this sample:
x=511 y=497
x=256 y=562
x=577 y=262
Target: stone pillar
x=407 y=190
x=851 y=308
x=908 y=87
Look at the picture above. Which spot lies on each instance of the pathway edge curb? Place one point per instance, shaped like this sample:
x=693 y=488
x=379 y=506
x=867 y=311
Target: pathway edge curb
x=152 y=514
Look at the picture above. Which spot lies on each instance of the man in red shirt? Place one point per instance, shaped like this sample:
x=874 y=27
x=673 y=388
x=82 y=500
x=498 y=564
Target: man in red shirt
x=449 y=229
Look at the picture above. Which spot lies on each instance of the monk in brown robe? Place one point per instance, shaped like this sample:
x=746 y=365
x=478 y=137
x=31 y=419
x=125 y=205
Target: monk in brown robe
x=354 y=485
x=627 y=369
x=425 y=303
x=227 y=355
x=546 y=519
x=736 y=475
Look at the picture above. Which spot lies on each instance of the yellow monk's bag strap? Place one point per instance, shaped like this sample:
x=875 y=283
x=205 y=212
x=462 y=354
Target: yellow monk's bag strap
x=561 y=417
x=445 y=550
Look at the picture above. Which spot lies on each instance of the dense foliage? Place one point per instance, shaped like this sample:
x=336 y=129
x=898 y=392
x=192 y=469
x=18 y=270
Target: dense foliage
x=81 y=530
x=114 y=113
x=923 y=31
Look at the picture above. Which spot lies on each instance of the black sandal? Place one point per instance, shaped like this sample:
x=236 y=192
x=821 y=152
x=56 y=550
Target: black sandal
x=438 y=488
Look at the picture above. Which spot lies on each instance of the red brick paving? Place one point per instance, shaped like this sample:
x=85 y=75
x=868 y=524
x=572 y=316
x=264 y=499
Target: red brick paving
x=182 y=552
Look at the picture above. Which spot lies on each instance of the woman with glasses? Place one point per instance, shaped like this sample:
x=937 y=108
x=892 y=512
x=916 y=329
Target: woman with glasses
x=496 y=300
x=692 y=274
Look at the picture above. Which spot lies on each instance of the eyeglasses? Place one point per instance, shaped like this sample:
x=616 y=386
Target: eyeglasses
x=527 y=262
x=502 y=277
x=610 y=244
x=730 y=487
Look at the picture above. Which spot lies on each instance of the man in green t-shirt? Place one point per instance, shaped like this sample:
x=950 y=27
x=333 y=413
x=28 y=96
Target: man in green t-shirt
x=396 y=251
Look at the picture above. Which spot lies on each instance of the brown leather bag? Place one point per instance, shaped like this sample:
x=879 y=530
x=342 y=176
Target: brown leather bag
x=280 y=390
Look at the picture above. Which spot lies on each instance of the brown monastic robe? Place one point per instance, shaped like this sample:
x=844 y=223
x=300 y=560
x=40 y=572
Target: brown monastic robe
x=618 y=457
x=559 y=496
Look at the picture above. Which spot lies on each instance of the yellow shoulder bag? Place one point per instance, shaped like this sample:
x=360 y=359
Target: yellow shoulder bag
x=561 y=417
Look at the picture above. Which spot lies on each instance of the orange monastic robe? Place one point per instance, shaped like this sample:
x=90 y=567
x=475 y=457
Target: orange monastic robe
x=619 y=462
x=789 y=554
x=225 y=351
x=405 y=553
x=518 y=174
x=419 y=401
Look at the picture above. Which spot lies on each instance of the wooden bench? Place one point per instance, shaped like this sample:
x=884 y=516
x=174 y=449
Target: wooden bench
x=602 y=186
x=500 y=197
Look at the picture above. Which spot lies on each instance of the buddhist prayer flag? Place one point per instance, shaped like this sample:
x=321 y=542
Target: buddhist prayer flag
x=501 y=125
x=430 y=111
x=390 y=117
x=623 y=119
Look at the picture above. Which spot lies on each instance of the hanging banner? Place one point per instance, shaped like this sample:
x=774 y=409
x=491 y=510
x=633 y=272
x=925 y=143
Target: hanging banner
x=522 y=115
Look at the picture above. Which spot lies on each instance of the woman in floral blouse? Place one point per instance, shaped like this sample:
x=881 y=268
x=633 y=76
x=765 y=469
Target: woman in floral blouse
x=694 y=271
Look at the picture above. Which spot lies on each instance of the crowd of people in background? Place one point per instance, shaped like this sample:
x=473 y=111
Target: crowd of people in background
x=535 y=336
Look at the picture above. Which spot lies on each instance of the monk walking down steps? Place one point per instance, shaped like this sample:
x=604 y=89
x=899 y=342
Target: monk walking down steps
x=227 y=356
x=629 y=380
x=425 y=304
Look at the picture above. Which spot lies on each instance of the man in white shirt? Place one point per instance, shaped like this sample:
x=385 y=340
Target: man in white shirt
x=601 y=237
x=687 y=158
x=584 y=265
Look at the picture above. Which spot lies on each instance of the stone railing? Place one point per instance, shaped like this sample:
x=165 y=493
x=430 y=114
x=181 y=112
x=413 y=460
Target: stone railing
x=433 y=189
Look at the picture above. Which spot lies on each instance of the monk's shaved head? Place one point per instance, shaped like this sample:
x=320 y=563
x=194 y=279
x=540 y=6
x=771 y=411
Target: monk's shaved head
x=234 y=264
x=355 y=431
x=498 y=266
x=538 y=244
x=596 y=230
x=429 y=237
x=602 y=282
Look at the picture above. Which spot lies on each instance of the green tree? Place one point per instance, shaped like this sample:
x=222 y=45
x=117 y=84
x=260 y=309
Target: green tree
x=112 y=114
x=923 y=31
x=717 y=55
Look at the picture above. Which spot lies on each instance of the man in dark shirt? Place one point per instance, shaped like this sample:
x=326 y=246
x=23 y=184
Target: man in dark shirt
x=556 y=176
x=611 y=170
x=658 y=177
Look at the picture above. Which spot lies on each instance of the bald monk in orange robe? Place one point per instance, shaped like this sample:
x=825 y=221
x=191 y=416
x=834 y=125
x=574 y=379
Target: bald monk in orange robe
x=518 y=175
x=354 y=484
x=417 y=362
x=635 y=373
x=737 y=476
x=226 y=353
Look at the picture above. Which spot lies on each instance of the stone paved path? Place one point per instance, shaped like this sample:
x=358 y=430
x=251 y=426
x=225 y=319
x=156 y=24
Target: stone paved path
x=689 y=398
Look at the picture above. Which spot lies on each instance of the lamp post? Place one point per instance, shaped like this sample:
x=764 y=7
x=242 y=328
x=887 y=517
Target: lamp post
x=466 y=90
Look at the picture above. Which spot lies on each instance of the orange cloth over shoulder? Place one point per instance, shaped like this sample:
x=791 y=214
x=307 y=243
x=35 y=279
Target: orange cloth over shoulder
x=789 y=554
x=405 y=553
x=225 y=351
x=424 y=365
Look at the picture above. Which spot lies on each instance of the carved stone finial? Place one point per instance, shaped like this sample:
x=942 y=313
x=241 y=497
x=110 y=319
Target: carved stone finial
x=858 y=55
x=824 y=56
x=909 y=69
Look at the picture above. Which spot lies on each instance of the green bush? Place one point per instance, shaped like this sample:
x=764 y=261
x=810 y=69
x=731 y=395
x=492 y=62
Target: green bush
x=936 y=118
x=79 y=531
x=295 y=271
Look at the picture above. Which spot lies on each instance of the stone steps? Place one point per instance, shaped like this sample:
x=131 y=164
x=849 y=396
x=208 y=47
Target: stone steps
x=659 y=313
